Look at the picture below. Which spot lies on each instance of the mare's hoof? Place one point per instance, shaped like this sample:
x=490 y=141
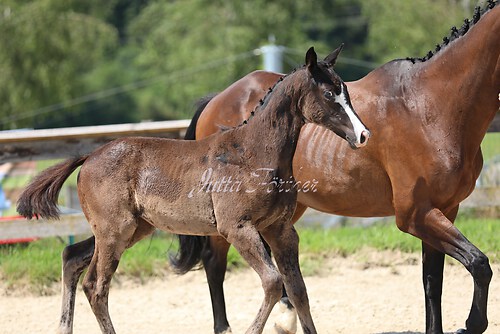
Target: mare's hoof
x=279 y=330
x=461 y=331
x=287 y=321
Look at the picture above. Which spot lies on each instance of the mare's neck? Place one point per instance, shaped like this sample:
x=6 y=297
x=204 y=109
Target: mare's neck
x=462 y=80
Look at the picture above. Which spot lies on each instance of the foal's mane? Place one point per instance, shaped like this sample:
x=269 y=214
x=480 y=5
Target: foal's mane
x=270 y=90
x=223 y=128
x=265 y=98
x=456 y=33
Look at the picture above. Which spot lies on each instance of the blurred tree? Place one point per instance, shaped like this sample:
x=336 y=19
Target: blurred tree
x=44 y=54
x=400 y=29
x=73 y=62
x=201 y=46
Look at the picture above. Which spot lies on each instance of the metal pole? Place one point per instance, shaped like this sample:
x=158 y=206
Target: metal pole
x=272 y=55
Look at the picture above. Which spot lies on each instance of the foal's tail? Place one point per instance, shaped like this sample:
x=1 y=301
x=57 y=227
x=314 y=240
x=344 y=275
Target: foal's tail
x=191 y=247
x=39 y=199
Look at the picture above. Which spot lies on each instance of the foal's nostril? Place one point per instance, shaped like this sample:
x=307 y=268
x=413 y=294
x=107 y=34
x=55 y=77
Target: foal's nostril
x=365 y=134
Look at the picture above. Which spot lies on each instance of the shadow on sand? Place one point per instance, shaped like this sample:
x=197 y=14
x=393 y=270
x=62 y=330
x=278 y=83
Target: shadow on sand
x=407 y=332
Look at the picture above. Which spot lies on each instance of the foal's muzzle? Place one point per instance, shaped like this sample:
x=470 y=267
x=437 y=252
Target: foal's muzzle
x=363 y=138
x=358 y=140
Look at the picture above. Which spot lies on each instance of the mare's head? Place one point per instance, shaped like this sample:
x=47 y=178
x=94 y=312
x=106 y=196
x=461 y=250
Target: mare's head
x=327 y=101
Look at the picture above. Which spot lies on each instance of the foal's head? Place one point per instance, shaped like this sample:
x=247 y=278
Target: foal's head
x=327 y=102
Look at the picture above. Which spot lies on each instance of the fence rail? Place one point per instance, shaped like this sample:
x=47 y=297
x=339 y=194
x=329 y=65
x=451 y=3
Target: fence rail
x=22 y=145
x=20 y=228
x=18 y=146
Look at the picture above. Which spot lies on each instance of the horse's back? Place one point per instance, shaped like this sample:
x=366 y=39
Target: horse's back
x=235 y=103
x=150 y=178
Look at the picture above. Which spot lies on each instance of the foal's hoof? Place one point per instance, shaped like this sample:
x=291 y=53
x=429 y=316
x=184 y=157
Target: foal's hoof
x=461 y=331
x=287 y=321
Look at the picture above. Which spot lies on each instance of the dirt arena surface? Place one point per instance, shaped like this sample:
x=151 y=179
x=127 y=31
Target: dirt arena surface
x=356 y=295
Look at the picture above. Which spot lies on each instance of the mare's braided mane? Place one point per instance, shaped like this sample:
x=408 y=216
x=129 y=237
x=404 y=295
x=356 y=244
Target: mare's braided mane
x=456 y=33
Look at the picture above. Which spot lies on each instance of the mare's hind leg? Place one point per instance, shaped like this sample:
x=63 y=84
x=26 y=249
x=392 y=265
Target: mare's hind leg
x=284 y=242
x=75 y=259
x=214 y=258
x=247 y=241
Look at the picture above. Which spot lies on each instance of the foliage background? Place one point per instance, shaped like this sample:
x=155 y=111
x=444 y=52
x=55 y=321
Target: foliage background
x=72 y=63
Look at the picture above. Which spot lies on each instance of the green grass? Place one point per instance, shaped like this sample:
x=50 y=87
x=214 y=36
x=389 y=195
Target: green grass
x=489 y=146
x=148 y=258
x=348 y=240
x=36 y=266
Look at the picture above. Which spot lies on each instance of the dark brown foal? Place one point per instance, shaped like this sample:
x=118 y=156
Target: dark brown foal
x=236 y=184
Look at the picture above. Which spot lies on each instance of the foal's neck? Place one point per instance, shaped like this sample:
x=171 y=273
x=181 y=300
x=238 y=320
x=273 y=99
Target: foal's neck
x=272 y=132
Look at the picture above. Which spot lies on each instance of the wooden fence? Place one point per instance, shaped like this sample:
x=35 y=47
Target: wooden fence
x=22 y=145
x=61 y=143
x=45 y=144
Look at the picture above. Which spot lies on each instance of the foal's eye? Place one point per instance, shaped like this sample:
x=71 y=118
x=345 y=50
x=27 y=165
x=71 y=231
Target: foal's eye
x=328 y=94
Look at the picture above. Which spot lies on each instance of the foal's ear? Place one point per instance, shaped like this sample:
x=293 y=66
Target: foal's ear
x=311 y=58
x=332 y=57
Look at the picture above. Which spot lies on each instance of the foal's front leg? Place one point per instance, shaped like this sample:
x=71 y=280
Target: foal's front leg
x=245 y=238
x=284 y=242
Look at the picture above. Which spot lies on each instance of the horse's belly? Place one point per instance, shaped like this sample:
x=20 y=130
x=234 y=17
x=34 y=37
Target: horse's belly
x=184 y=225
x=194 y=217
x=351 y=203
x=346 y=182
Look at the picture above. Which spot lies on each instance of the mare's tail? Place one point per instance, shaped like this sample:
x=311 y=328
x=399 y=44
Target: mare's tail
x=190 y=247
x=39 y=199
x=200 y=106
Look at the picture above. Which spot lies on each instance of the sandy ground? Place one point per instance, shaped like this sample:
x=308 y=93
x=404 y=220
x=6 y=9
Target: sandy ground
x=351 y=296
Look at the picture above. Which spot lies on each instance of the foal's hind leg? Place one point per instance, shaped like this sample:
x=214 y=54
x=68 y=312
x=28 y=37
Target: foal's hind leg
x=111 y=240
x=96 y=282
x=75 y=259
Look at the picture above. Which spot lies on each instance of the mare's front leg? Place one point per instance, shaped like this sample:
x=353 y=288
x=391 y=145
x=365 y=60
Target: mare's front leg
x=284 y=243
x=245 y=238
x=437 y=231
x=432 y=278
x=214 y=257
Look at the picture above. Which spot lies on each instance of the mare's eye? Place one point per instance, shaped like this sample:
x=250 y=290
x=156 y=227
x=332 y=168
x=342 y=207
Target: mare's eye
x=328 y=94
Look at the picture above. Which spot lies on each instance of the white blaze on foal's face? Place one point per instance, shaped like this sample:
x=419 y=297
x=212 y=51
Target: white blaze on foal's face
x=361 y=132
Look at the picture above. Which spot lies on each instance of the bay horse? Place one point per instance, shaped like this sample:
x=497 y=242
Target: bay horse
x=228 y=184
x=429 y=116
